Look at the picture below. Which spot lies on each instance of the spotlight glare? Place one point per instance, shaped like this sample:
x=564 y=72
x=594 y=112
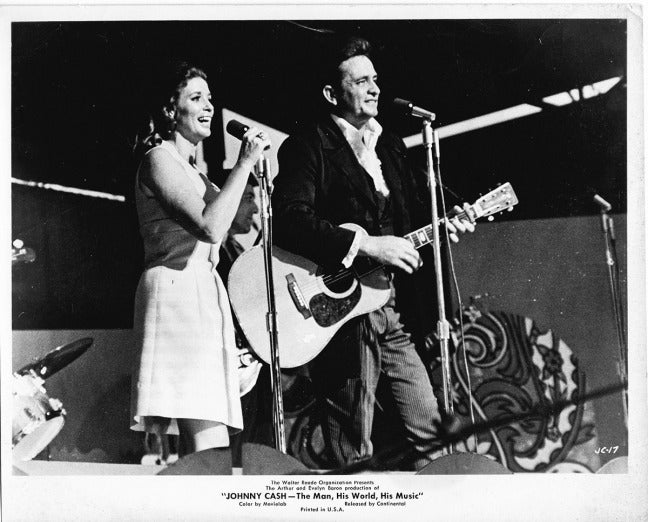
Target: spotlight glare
x=604 y=86
x=560 y=99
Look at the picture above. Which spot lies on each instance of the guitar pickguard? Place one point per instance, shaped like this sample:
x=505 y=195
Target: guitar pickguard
x=328 y=310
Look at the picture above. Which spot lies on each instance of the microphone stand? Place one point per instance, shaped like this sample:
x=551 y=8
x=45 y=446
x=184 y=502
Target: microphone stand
x=432 y=152
x=617 y=306
x=262 y=170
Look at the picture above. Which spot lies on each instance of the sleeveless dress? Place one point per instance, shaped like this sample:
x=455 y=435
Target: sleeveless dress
x=182 y=322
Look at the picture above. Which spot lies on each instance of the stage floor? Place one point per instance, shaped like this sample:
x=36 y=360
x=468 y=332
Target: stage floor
x=44 y=467
x=54 y=468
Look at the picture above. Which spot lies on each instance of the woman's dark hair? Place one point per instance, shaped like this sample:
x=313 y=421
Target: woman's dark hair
x=165 y=91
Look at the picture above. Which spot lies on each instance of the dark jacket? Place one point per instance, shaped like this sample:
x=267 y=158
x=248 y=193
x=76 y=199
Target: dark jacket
x=321 y=184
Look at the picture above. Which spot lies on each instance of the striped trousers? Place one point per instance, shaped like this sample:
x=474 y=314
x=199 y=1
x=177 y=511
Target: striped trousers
x=346 y=374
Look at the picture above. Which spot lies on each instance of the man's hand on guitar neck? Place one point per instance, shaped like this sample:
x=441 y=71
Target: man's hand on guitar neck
x=391 y=251
x=399 y=252
x=455 y=224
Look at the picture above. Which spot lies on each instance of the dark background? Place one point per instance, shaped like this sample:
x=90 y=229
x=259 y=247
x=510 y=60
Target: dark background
x=80 y=91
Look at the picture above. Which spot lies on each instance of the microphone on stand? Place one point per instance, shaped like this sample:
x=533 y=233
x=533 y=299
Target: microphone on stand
x=412 y=110
x=605 y=206
x=606 y=221
x=262 y=168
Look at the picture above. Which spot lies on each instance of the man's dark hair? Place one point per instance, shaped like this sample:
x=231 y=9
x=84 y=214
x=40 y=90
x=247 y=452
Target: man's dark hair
x=338 y=51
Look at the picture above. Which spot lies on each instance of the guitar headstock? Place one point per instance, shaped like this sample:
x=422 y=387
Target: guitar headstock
x=498 y=200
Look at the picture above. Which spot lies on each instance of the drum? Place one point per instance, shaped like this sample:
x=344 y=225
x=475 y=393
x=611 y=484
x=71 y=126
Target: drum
x=464 y=464
x=618 y=465
x=36 y=420
x=248 y=370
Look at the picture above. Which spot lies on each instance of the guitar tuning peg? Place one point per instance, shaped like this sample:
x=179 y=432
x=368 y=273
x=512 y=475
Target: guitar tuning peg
x=490 y=218
x=510 y=209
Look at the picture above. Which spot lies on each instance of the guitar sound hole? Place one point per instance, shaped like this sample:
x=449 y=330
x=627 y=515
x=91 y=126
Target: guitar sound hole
x=338 y=282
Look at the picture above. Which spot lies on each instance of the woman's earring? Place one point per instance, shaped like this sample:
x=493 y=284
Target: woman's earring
x=170 y=120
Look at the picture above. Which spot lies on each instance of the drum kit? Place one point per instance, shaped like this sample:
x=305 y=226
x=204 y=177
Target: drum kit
x=37 y=418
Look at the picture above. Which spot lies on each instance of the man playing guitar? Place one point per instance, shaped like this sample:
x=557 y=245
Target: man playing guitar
x=345 y=168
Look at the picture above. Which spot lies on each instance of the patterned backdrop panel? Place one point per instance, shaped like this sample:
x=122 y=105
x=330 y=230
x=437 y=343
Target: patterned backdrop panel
x=515 y=365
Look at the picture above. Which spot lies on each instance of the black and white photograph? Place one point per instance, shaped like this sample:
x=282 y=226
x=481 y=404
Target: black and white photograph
x=323 y=262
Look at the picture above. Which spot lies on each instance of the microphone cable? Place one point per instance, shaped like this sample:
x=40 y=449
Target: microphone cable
x=455 y=282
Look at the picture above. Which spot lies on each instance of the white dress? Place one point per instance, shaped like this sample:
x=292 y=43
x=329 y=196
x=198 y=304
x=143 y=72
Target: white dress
x=182 y=324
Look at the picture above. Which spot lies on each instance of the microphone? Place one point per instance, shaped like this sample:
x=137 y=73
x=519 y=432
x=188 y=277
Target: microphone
x=413 y=110
x=605 y=206
x=238 y=129
x=606 y=221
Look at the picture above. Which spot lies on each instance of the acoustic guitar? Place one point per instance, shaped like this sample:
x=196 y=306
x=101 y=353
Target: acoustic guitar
x=312 y=303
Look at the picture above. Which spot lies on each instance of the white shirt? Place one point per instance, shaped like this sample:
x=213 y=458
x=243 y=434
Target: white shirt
x=363 y=143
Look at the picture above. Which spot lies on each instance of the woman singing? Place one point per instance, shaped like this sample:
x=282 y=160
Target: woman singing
x=186 y=381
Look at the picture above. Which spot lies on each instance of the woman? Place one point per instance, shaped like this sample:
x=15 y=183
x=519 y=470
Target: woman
x=186 y=382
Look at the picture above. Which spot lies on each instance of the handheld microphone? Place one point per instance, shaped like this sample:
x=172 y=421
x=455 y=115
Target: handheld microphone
x=413 y=110
x=238 y=129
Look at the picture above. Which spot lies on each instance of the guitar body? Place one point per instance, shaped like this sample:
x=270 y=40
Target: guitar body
x=311 y=304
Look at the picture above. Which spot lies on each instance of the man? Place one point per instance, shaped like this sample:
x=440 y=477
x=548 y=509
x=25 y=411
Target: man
x=256 y=397
x=242 y=224
x=344 y=169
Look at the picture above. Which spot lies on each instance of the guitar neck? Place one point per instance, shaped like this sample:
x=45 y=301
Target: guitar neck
x=425 y=235
x=498 y=200
x=421 y=237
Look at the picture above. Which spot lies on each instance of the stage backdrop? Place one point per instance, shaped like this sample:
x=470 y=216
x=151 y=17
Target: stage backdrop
x=552 y=271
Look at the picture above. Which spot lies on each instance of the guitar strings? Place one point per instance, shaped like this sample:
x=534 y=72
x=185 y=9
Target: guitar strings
x=340 y=275
x=328 y=279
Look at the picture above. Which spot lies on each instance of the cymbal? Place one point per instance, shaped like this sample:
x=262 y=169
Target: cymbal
x=58 y=358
